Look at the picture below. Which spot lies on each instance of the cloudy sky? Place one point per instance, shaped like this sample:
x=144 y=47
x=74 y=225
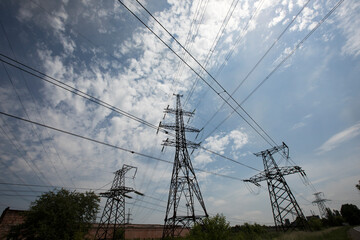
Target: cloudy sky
x=292 y=65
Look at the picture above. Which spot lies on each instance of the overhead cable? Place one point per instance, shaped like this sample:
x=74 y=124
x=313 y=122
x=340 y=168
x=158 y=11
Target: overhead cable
x=113 y=146
x=219 y=93
x=80 y=93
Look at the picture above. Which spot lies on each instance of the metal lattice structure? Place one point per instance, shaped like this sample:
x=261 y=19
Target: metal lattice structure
x=320 y=202
x=184 y=187
x=283 y=202
x=112 y=223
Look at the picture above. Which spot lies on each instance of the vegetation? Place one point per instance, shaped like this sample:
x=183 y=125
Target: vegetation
x=358 y=186
x=333 y=218
x=315 y=224
x=58 y=215
x=213 y=228
x=334 y=233
x=351 y=214
x=216 y=228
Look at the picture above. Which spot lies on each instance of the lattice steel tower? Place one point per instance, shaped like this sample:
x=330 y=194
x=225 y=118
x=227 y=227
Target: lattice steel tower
x=112 y=223
x=282 y=200
x=184 y=186
x=320 y=202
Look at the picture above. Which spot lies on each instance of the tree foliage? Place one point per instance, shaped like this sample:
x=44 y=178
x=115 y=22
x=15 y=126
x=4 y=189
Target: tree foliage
x=212 y=228
x=351 y=213
x=315 y=223
x=333 y=218
x=250 y=232
x=358 y=186
x=58 y=215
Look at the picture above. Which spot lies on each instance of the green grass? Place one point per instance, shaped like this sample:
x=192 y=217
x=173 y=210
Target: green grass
x=335 y=233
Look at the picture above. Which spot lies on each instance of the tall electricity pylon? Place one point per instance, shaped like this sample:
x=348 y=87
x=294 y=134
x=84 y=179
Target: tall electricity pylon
x=183 y=186
x=112 y=223
x=282 y=200
x=320 y=202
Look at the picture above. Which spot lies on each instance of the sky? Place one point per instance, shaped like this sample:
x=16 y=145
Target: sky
x=292 y=66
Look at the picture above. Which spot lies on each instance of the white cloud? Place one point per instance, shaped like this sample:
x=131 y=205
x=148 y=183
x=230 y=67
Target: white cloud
x=302 y=123
x=305 y=19
x=298 y=125
x=340 y=138
x=349 y=24
x=281 y=15
x=218 y=143
x=239 y=139
x=202 y=159
x=216 y=202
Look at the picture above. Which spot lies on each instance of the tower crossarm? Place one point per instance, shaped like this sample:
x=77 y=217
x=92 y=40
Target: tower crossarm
x=274 y=173
x=173 y=111
x=115 y=192
x=172 y=143
x=174 y=127
x=273 y=150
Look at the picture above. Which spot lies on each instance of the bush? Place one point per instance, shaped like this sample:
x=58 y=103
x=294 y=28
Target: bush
x=212 y=228
x=333 y=218
x=250 y=232
x=351 y=213
x=315 y=223
x=58 y=215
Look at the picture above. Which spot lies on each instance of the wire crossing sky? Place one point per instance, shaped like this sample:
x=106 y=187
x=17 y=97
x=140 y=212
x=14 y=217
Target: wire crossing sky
x=94 y=69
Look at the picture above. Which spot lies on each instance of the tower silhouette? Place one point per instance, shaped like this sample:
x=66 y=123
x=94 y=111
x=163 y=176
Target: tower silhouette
x=112 y=223
x=320 y=202
x=184 y=188
x=282 y=200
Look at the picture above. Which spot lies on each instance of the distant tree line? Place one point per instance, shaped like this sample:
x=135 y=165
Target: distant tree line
x=65 y=215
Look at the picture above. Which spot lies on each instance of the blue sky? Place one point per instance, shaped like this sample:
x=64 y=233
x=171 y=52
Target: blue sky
x=310 y=101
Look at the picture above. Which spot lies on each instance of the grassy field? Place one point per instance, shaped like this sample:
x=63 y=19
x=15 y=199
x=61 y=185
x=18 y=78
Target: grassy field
x=335 y=233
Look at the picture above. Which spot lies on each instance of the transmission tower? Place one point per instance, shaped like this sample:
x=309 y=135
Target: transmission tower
x=320 y=202
x=282 y=200
x=184 y=185
x=112 y=223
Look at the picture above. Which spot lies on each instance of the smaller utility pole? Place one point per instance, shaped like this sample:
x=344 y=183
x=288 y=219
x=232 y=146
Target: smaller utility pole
x=320 y=202
x=128 y=219
x=283 y=202
x=112 y=223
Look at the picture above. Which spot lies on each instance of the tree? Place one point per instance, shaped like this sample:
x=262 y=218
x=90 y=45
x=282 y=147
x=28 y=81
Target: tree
x=333 y=218
x=315 y=223
x=358 y=186
x=351 y=213
x=58 y=215
x=212 y=228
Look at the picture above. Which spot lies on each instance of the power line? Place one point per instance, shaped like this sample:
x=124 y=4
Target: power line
x=73 y=90
x=113 y=146
x=23 y=106
x=47 y=186
x=230 y=159
x=219 y=34
x=294 y=49
x=208 y=84
x=237 y=41
x=37 y=172
x=34 y=130
x=257 y=63
x=193 y=32
x=82 y=94
x=283 y=61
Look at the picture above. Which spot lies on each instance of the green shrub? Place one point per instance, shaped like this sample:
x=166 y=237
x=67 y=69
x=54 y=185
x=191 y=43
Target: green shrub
x=212 y=228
